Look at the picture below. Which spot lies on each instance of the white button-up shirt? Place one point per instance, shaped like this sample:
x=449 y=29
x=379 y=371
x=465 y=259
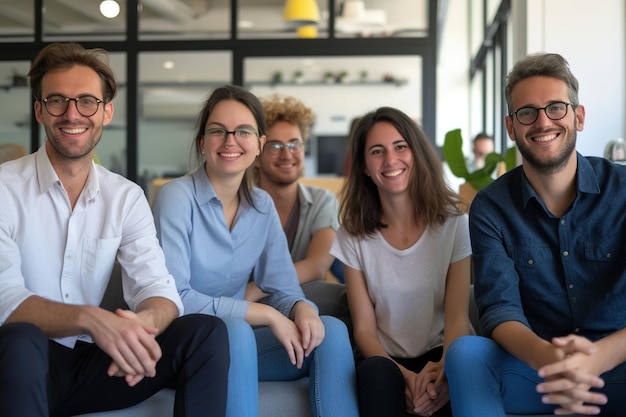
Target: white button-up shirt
x=64 y=255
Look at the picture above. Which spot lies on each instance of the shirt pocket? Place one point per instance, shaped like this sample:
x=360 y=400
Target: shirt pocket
x=600 y=251
x=533 y=265
x=531 y=258
x=98 y=257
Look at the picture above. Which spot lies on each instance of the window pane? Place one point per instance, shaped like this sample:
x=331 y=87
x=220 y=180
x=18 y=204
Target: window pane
x=184 y=19
x=17 y=104
x=65 y=20
x=265 y=19
x=172 y=89
x=111 y=150
x=17 y=21
x=369 y=82
x=381 y=18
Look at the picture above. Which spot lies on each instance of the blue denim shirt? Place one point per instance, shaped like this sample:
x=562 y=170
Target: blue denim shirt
x=556 y=275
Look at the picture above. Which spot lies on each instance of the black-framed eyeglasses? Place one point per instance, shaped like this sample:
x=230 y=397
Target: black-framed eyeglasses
x=529 y=115
x=239 y=133
x=275 y=147
x=57 y=105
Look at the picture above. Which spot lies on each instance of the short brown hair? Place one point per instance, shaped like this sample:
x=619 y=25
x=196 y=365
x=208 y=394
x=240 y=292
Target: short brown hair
x=542 y=65
x=67 y=55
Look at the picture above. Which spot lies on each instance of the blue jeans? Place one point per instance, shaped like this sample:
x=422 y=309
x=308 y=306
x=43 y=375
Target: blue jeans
x=330 y=368
x=487 y=381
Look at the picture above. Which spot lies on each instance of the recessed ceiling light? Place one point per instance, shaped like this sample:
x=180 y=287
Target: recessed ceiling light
x=169 y=65
x=245 y=24
x=109 y=8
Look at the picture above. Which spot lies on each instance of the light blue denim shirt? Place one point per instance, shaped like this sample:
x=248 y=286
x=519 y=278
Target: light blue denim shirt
x=212 y=264
x=556 y=275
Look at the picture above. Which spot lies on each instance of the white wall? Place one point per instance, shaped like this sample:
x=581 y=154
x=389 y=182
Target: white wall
x=453 y=102
x=590 y=35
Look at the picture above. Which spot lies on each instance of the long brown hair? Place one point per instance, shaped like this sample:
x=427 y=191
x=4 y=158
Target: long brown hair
x=360 y=208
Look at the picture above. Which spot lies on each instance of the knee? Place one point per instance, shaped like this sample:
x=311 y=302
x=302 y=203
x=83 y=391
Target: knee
x=375 y=364
x=241 y=338
x=335 y=333
x=334 y=326
x=22 y=345
x=378 y=369
x=466 y=351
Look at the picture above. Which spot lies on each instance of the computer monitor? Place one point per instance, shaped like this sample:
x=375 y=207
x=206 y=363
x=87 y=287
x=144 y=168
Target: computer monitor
x=331 y=154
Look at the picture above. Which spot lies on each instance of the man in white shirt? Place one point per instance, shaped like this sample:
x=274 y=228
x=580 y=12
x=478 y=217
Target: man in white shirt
x=63 y=223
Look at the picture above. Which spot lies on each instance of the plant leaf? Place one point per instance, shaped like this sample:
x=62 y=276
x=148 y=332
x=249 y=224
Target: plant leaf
x=510 y=158
x=453 y=153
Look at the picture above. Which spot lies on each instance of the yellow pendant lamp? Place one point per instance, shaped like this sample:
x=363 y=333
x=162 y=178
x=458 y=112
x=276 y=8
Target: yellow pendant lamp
x=301 y=12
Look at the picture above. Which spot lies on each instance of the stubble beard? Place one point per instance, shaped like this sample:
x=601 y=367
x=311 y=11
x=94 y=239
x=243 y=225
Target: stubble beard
x=549 y=165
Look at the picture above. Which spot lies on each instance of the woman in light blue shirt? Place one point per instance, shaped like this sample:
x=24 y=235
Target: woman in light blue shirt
x=216 y=231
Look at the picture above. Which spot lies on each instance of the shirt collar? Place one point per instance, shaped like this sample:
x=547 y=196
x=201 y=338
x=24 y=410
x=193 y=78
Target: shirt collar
x=47 y=176
x=304 y=195
x=203 y=187
x=205 y=191
x=586 y=181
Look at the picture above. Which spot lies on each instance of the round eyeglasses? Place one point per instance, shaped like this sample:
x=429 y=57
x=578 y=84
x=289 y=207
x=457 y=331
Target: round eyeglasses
x=529 y=115
x=239 y=133
x=57 y=105
x=274 y=148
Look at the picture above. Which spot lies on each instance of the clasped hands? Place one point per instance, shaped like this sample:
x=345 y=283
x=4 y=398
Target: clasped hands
x=130 y=343
x=300 y=336
x=426 y=391
x=568 y=380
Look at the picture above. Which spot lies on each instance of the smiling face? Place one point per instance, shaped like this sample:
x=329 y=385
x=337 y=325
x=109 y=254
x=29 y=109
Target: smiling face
x=285 y=167
x=546 y=145
x=72 y=135
x=230 y=155
x=388 y=159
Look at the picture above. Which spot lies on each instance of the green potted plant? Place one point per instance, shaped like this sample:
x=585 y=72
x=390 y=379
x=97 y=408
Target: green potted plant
x=298 y=77
x=277 y=77
x=453 y=155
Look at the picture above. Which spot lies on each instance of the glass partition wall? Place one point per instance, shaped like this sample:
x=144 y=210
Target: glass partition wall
x=168 y=56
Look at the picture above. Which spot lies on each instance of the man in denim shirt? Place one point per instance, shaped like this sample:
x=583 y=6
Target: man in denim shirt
x=549 y=248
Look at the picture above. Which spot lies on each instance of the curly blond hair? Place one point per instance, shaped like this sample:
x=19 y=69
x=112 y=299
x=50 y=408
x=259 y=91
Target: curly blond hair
x=280 y=108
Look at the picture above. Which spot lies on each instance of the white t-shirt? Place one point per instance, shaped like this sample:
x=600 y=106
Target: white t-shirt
x=407 y=287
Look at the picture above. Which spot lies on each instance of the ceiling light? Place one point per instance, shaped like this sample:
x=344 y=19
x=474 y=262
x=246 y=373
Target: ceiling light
x=301 y=12
x=307 y=31
x=109 y=8
x=169 y=65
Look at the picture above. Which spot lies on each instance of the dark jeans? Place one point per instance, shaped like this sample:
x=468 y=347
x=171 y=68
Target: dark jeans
x=381 y=385
x=39 y=377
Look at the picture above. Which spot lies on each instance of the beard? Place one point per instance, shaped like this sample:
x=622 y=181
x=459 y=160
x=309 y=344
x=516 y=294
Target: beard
x=279 y=179
x=550 y=164
x=64 y=151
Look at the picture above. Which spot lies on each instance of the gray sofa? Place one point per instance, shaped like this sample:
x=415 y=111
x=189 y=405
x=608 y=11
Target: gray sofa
x=276 y=399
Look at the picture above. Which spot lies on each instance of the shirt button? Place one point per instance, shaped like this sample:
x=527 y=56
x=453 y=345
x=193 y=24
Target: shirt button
x=608 y=255
x=565 y=253
x=530 y=262
x=67 y=295
x=562 y=221
x=570 y=286
x=577 y=330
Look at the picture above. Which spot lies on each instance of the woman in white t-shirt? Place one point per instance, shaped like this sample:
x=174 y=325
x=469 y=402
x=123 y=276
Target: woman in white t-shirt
x=405 y=246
